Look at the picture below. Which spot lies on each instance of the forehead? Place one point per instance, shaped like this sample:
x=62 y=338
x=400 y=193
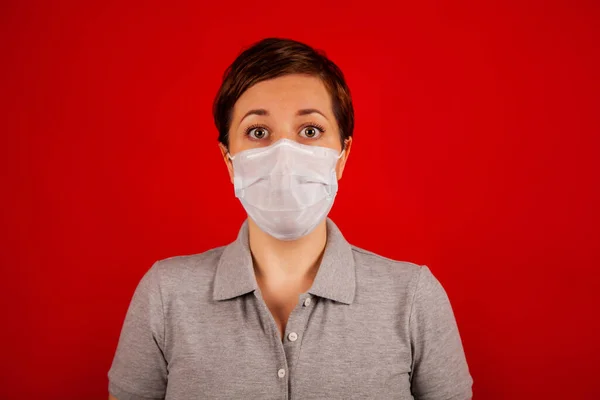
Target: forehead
x=287 y=93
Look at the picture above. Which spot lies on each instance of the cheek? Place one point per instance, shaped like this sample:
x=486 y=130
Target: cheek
x=332 y=139
x=236 y=143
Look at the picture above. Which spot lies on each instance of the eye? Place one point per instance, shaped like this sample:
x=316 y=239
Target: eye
x=312 y=131
x=257 y=132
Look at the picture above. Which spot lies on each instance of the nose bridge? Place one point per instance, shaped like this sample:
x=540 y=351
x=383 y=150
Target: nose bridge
x=283 y=134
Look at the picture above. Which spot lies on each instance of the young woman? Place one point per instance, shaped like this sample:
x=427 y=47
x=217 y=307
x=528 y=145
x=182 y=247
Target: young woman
x=289 y=310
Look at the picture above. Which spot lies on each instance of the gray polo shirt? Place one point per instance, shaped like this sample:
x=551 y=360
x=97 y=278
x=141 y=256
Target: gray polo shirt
x=369 y=327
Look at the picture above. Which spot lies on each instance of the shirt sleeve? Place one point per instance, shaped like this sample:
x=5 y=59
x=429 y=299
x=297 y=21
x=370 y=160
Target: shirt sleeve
x=139 y=369
x=439 y=366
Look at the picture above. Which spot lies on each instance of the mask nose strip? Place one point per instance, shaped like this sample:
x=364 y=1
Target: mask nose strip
x=283 y=167
x=280 y=178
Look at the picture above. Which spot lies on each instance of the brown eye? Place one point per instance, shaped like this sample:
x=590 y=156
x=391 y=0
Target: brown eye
x=257 y=133
x=311 y=132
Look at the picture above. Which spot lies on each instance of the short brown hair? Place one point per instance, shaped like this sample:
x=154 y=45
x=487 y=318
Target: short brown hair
x=273 y=57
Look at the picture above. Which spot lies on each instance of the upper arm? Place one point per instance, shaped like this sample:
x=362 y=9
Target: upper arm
x=139 y=368
x=439 y=367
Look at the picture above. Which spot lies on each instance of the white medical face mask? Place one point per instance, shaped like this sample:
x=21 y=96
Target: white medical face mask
x=287 y=188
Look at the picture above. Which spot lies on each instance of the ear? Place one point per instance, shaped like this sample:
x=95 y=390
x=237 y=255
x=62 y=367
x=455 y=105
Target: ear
x=228 y=162
x=342 y=161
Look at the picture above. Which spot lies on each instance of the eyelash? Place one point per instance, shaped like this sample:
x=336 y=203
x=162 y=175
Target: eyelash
x=313 y=125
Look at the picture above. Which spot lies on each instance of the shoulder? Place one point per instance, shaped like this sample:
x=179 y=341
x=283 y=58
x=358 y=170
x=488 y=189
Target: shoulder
x=395 y=274
x=378 y=264
x=178 y=272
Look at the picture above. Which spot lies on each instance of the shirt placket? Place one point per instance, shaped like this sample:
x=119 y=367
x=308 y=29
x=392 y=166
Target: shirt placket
x=288 y=349
x=294 y=334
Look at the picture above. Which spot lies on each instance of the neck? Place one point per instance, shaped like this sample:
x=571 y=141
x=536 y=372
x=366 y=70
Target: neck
x=281 y=262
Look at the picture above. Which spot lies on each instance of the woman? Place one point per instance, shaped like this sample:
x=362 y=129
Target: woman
x=289 y=309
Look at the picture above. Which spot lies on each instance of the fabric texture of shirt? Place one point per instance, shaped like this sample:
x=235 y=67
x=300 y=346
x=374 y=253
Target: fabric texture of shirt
x=369 y=327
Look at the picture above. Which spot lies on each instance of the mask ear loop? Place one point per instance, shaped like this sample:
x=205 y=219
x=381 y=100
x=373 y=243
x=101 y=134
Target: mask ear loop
x=237 y=183
x=343 y=149
x=333 y=177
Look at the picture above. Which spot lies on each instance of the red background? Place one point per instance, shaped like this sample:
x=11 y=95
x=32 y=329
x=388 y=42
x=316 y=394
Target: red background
x=476 y=153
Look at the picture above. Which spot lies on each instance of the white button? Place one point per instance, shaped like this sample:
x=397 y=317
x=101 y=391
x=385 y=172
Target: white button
x=293 y=336
x=281 y=373
x=307 y=302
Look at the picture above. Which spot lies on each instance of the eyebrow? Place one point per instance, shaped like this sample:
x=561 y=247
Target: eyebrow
x=262 y=111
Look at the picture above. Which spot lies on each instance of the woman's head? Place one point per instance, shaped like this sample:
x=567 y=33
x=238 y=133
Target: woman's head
x=281 y=88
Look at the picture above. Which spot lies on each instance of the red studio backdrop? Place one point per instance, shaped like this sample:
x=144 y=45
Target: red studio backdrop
x=476 y=153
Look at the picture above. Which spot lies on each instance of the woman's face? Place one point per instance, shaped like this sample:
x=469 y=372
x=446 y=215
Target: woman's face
x=295 y=107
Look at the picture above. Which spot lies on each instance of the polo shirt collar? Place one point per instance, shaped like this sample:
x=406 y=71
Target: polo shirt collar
x=335 y=279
